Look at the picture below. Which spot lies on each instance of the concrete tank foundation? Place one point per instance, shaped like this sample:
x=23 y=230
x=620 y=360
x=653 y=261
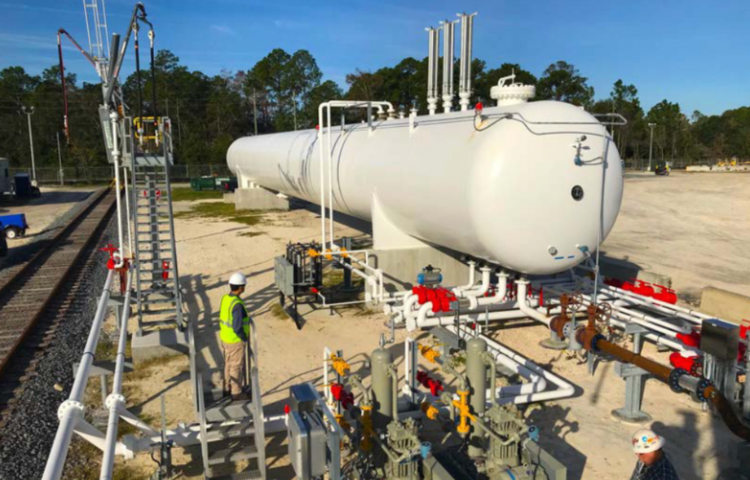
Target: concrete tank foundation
x=401 y=266
x=259 y=199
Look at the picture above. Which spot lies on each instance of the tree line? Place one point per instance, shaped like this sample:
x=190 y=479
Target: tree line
x=282 y=91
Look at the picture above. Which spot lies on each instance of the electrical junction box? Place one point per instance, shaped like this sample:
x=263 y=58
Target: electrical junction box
x=720 y=339
x=307 y=444
x=302 y=398
x=284 y=275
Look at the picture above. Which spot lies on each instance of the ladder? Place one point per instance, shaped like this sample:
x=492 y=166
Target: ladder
x=233 y=432
x=97 y=31
x=159 y=298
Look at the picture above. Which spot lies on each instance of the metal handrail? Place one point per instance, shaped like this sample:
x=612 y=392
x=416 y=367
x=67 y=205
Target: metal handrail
x=259 y=418
x=116 y=400
x=71 y=411
x=167 y=146
x=204 y=431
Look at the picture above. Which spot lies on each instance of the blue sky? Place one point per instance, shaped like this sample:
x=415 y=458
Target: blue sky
x=695 y=52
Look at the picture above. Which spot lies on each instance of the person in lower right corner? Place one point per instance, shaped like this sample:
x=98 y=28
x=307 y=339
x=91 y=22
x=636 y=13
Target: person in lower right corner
x=653 y=463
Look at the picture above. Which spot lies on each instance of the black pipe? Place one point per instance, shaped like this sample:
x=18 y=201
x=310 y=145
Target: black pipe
x=138 y=81
x=153 y=75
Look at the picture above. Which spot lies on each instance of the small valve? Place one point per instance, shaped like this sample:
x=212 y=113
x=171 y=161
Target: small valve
x=165 y=270
x=339 y=364
x=428 y=353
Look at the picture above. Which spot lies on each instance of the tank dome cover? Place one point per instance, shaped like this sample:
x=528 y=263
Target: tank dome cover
x=507 y=92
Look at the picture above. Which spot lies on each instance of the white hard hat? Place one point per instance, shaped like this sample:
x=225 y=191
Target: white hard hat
x=646 y=441
x=238 y=279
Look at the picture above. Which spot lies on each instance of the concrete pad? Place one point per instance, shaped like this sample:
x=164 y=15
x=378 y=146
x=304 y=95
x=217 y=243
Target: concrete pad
x=624 y=270
x=259 y=199
x=159 y=343
x=228 y=197
x=724 y=304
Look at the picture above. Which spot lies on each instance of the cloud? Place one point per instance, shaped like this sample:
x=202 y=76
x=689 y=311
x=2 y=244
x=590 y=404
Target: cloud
x=224 y=30
x=32 y=41
x=14 y=6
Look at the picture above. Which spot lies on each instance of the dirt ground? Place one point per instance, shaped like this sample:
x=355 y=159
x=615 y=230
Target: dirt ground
x=688 y=226
x=694 y=227
x=43 y=211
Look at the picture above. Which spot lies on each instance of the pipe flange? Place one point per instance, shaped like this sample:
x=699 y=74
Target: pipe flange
x=112 y=399
x=674 y=379
x=566 y=329
x=696 y=369
x=595 y=339
x=702 y=386
x=69 y=405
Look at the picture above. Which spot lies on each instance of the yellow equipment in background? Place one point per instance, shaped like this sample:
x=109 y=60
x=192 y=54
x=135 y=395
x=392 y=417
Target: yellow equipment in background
x=147 y=129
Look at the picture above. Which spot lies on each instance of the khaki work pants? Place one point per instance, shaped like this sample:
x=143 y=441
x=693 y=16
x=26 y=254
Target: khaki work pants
x=234 y=363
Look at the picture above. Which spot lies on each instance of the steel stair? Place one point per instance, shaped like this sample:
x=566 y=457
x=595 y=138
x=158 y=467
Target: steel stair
x=157 y=276
x=232 y=432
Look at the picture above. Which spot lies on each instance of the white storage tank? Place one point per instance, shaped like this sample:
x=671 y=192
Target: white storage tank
x=523 y=187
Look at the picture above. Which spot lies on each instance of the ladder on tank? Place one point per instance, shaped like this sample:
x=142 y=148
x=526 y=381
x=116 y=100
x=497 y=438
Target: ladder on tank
x=157 y=276
x=232 y=432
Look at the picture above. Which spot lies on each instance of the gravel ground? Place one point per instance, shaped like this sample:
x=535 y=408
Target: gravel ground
x=28 y=438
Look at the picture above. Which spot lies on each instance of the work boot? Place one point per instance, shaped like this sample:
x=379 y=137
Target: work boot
x=241 y=397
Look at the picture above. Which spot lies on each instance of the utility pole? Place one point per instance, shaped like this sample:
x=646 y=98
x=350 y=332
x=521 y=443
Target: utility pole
x=651 y=145
x=29 y=112
x=179 y=123
x=255 y=113
x=294 y=99
x=59 y=159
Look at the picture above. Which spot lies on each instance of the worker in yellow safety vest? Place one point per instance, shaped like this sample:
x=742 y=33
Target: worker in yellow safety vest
x=234 y=333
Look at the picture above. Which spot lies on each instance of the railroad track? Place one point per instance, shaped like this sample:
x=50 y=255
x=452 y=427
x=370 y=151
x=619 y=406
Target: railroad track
x=37 y=296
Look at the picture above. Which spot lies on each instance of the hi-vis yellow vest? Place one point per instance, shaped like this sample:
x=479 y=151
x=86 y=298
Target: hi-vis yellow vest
x=227 y=334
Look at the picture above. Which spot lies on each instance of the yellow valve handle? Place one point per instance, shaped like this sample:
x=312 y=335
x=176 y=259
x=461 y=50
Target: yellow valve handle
x=342 y=422
x=430 y=411
x=428 y=353
x=328 y=254
x=339 y=364
x=462 y=406
x=313 y=253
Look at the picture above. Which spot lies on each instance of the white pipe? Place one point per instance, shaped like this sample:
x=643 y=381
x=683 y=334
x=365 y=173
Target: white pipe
x=536 y=383
x=469 y=285
x=115 y=401
x=116 y=155
x=618 y=305
x=330 y=178
x=127 y=212
x=658 y=305
x=563 y=390
x=665 y=337
x=71 y=411
x=523 y=303
x=477 y=292
x=500 y=293
x=322 y=178
x=412 y=324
